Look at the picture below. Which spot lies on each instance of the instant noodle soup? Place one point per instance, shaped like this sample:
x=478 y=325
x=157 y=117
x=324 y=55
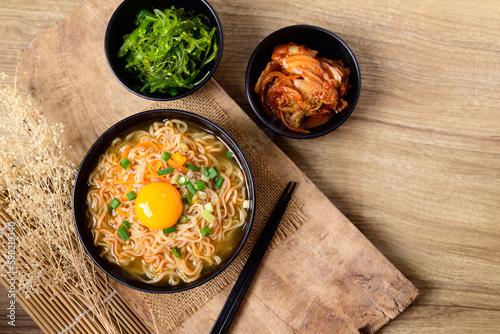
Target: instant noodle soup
x=167 y=202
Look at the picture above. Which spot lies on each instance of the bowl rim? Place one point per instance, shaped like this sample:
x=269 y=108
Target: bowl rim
x=166 y=98
x=122 y=126
x=249 y=90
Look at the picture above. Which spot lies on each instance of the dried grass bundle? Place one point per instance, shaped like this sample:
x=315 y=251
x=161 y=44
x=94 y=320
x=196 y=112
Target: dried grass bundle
x=36 y=183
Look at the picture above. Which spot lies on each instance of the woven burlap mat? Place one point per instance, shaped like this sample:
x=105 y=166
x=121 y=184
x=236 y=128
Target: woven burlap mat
x=172 y=309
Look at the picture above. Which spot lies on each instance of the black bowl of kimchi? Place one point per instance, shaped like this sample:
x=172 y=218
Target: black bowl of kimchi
x=125 y=21
x=327 y=45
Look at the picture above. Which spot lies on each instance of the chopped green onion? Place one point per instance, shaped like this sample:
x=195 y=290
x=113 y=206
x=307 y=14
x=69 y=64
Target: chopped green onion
x=125 y=163
x=212 y=173
x=200 y=185
x=131 y=195
x=165 y=171
x=184 y=146
x=186 y=199
x=190 y=187
x=219 y=182
x=204 y=171
x=188 y=166
x=229 y=154
x=181 y=180
x=208 y=216
x=123 y=233
x=206 y=231
x=165 y=156
x=169 y=230
x=182 y=220
x=209 y=207
x=204 y=178
x=115 y=203
x=177 y=252
x=126 y=224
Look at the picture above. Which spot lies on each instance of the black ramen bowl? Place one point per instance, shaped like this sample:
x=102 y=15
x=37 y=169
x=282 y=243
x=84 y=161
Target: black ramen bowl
x=122 y=23
x=328 y=46
x=82 y=187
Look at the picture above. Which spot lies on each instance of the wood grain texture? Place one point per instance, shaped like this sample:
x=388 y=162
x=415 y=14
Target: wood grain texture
x=20 y=22
x=363 y=290
x=417 y=166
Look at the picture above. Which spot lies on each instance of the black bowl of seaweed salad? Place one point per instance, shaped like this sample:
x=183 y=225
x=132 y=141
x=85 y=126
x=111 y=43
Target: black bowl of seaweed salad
x=163 y=50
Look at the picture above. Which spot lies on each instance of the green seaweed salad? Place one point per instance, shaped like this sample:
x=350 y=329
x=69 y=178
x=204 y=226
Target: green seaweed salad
x=169 y=49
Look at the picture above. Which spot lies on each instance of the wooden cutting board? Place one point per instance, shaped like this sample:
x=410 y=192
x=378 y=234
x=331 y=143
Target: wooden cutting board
x=327 y=277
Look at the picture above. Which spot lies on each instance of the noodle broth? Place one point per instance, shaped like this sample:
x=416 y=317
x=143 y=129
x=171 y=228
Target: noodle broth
x=148 y=254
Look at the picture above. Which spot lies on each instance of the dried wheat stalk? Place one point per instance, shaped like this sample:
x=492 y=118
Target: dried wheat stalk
x=36 y=183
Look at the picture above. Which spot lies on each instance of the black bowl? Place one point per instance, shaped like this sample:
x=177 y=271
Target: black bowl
x=329 y=46
x=122 y=22
x=89 y=163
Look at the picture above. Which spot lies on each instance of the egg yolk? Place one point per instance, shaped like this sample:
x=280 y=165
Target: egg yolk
x=158 y=205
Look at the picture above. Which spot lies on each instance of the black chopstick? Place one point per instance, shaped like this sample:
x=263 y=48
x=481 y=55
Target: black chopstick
x=240 y=288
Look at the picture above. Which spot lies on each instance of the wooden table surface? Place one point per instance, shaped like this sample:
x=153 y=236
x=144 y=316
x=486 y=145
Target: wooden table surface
x=416 y=167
